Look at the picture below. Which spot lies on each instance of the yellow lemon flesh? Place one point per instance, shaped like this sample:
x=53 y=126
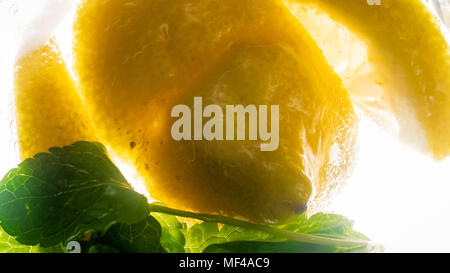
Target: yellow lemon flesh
x=137 y=59
x=49 y=111
x=409 y=55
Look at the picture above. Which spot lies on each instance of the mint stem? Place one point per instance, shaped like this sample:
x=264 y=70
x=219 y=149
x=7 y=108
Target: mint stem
x=290 y=235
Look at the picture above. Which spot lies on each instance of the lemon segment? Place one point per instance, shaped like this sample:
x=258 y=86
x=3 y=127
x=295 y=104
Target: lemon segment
x=49 y=111
x=136 y=60
x=409 y=55
x=238 y=178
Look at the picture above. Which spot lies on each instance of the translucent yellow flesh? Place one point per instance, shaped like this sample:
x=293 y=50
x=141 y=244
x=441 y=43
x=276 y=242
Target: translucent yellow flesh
x=409 y=55
x=49 y=111
x=137 y=59
x=344 y=51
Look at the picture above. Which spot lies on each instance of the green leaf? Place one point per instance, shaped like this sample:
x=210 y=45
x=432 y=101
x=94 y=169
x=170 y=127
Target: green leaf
x=327 y=225
x=172 y=232
x=53 y=249
x=72 y=191
x=323 y=225
x=285 y=247
x=9 y=245
x=268 y=247
x=102 y=249
x=201 y=236
x=318 y=233
x=142 y=237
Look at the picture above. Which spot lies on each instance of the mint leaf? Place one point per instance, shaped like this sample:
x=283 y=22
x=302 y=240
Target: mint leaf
x=172 y=232
x=9 y=245
x=201 y=236
x=142 y=237
x=319 y=233
x=268 y=247
x=285 y=247
x=323 y=225
x=102 y=249
x=71 y=191
x=327 y=225
x=214 y=238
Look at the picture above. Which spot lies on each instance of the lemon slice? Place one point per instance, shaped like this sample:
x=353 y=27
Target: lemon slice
x=49 y=111
x=136 y=60
x=400 y=56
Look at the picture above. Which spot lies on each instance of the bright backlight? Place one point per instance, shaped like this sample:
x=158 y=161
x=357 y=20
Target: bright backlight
x=397 y=196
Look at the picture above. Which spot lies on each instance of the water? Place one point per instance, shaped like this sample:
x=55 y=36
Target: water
x=397 y=196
